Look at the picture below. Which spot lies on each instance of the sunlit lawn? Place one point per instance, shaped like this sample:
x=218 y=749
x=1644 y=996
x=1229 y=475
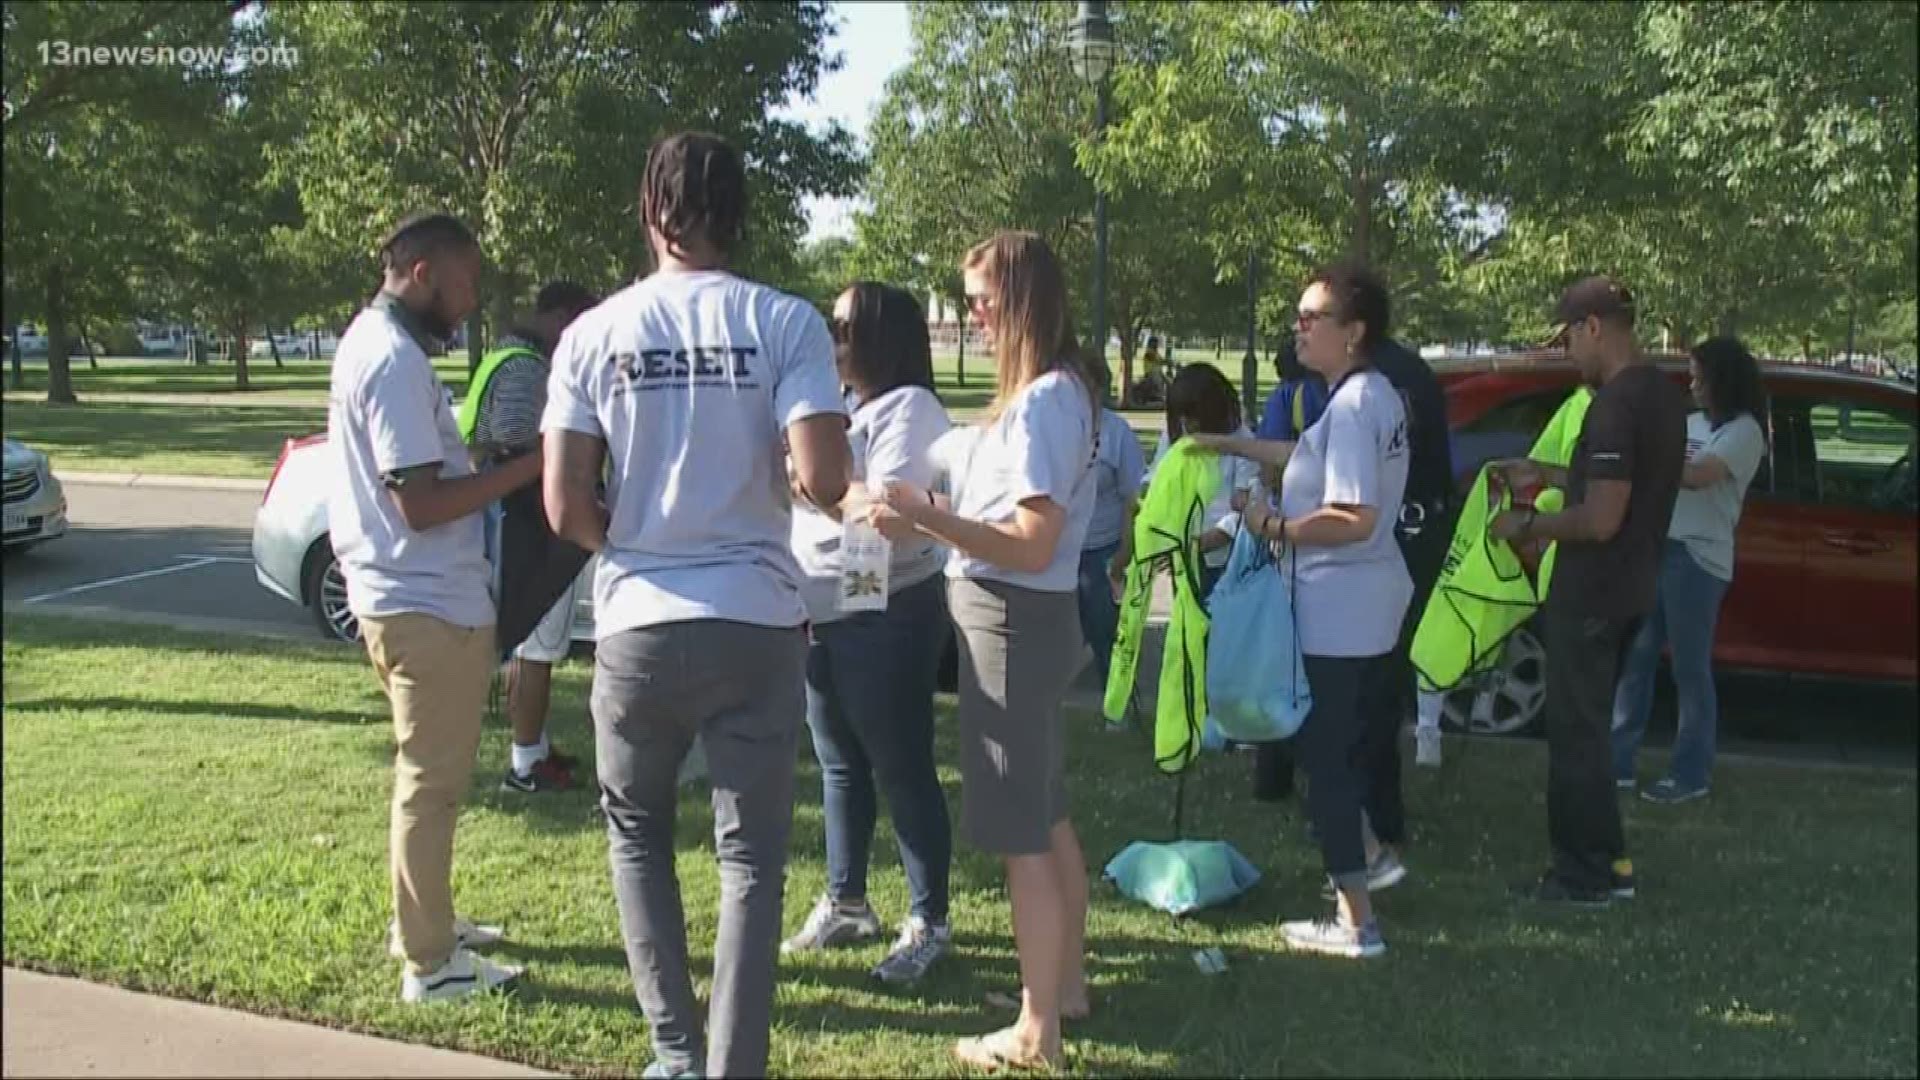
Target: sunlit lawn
x=205 y=817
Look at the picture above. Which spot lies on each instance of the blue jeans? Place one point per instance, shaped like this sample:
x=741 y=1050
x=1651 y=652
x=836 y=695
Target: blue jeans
x=1686 y=612
x=870 y=684
x=1099 y=612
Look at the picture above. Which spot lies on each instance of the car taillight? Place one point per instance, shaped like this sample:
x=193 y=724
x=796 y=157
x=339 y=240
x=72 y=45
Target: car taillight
x=286 y=449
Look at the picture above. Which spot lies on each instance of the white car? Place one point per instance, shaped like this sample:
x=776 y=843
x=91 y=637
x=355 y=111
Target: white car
x=292 y=556
x=36 y=507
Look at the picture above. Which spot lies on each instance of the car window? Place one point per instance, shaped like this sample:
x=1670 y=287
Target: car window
x=1524 y=415
x=1863 y=455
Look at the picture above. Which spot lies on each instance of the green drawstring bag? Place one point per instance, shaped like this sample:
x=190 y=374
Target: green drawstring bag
x=1183 y=876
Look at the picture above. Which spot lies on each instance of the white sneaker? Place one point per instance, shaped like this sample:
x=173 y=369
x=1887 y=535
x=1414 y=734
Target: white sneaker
x=466 y=973
x=466 y=935
x=1426 y=747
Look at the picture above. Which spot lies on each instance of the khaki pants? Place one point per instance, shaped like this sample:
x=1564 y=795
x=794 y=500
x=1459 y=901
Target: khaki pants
x=436 y=676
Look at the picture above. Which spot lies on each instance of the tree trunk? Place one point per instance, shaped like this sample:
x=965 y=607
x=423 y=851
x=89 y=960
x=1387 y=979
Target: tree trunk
x=19 y=368
x=59 y=373
x=86 y=341
x=239 y=338
x=273 y=346
x=1729 y=324
x=961 y=374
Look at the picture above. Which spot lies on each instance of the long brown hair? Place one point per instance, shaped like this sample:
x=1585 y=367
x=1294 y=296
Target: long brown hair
x=1032 y=329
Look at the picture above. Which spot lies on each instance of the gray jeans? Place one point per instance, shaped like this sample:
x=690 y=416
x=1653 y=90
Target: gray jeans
x=742 y=689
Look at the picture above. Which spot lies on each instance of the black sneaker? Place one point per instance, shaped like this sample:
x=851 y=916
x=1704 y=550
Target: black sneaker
x=546 y=775
x=1621 y=874
x=1550 y=889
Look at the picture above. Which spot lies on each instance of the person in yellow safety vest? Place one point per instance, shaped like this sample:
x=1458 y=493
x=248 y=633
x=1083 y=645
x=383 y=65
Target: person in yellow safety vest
x=500 y=420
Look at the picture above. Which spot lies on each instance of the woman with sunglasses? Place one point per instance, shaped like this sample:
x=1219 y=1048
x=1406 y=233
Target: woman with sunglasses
x=1340 y=494
x=1022 y=497
x=871 y=674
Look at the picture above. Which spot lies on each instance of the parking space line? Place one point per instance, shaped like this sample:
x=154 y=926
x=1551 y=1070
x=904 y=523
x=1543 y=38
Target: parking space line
x=192 y=563
x=217 y=558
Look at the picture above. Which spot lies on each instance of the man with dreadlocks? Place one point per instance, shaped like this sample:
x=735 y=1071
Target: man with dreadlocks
x=686 y=384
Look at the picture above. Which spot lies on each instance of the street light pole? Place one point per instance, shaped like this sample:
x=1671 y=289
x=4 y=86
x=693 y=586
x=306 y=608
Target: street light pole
x=1092 y=47
x=1250 y=364
x=1100 y=240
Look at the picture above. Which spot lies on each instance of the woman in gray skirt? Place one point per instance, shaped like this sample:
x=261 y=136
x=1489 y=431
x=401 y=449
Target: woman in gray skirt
x=1022 y=494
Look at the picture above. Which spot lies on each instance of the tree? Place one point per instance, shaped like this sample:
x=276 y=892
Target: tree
x=88 y=152
x=531 y=121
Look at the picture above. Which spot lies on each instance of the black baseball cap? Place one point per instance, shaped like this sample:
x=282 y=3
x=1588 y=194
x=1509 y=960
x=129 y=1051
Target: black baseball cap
x=1597 y=296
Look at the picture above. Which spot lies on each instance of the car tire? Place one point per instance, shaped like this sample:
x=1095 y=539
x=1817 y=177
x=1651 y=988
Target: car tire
x=1510 y=699
x=326 y=591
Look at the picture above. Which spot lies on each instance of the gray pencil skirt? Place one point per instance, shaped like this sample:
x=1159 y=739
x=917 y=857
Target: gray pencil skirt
x=1019 y=652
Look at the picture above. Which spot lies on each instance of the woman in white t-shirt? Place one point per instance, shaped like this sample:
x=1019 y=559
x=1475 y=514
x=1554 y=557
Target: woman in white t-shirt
x=1023 y=490
x=1725 y=445
x=1339 y=499
x=871 y=674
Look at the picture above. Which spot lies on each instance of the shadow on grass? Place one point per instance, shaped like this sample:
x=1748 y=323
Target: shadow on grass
x=374 y=715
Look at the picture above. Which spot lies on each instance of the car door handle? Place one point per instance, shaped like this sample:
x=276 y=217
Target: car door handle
x=1856 y=543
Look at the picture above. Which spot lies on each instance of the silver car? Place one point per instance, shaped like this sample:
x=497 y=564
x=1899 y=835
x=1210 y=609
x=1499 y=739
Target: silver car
x=292 y=555
x=36 y=507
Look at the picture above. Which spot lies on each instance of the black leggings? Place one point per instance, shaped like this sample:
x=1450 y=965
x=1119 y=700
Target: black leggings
x=1330 y=746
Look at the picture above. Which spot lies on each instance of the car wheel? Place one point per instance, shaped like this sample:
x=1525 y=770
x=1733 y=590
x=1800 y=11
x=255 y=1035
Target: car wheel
x=1509 y=699
x=326 y=592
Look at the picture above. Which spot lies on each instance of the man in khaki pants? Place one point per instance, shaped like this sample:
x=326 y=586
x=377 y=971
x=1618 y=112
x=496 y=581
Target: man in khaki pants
x=406 y=524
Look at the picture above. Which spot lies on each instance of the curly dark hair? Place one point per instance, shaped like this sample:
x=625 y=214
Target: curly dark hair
x=1732 y=380
x=1362 y=296
x=695 y=185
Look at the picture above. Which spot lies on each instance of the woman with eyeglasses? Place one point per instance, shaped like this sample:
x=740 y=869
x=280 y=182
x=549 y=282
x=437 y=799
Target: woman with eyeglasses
x=871 y=674
x=1340 y=493
x=1022 y=496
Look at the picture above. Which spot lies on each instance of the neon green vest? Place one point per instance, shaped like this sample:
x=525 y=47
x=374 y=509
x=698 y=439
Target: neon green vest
x=1483 y=594
x=1165 y=533
x=477 y=389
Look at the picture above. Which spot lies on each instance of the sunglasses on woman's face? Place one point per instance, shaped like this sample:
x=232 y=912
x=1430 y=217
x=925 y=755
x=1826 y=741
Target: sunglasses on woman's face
x=979 y=301
x=1308 y=317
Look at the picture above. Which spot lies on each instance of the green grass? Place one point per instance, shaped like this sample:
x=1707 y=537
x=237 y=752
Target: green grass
x=205 y=817
x=182 y=438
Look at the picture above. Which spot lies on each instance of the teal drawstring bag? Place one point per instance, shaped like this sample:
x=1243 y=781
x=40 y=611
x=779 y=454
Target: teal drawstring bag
x=1256 y=680
x=1183 y=876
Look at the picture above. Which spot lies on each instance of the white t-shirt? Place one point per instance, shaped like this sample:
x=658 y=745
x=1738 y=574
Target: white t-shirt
x=1119 y=471
x=692 y=379
x=892 y=438
x=1704 y=518
x=1236 y=473
x=387 y=411
x=1043 y=444
x=1351 y=599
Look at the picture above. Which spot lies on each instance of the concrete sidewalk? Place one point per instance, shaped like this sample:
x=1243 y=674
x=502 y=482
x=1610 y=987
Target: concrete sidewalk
x=207 y=483
x=65 y=1027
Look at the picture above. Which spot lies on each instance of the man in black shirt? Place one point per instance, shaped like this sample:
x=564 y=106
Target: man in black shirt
x=1620 y=489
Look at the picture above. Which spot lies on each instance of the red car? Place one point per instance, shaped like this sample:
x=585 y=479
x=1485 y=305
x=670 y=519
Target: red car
x=1825 y=553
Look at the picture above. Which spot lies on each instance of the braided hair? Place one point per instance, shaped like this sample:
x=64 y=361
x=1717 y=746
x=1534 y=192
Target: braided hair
x=695 y=186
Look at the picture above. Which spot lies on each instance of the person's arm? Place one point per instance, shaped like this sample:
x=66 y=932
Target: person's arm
x=1123 y=555
x=1526 y=472
x=1267 y=452
x=1704 y=471
x=1610 y=439
x=1332 y=525
x=1595 y=519
x=1025 y=544
x=568 y=488
x=402 y=407
x=427 y=501
x=807 y=400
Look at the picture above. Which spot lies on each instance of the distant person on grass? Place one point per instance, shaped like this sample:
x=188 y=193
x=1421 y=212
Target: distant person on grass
x=405 y=517
x=500 y=420
x=687 y=384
